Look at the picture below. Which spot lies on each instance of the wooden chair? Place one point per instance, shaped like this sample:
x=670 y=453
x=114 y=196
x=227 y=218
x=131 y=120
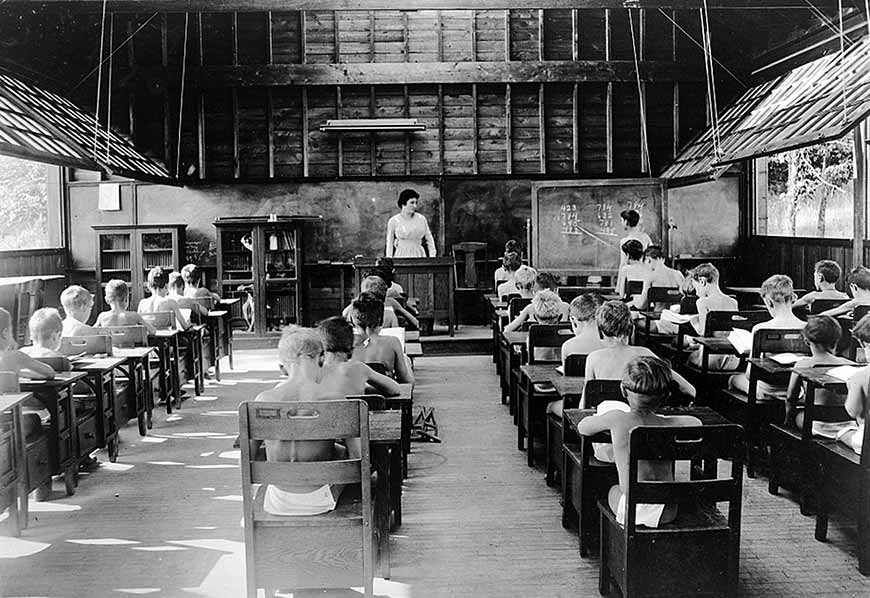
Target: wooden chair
x=756 y=412
x=575 y=365
x=100 y=344
x=144 y=374
x=567 y=294
x=190 y=347
x=467 y=277
x=532 y=398
x=214 y=332
x=658 y=298
x=585 y=478
x=506 y=357
x=330 y=550
x=30 y=297
x=632 y=287
x=645 y=561
x=821 y=305
x=848 y=343
x=845 y=488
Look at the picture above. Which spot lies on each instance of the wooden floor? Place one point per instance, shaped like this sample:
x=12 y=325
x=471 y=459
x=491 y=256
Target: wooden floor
x=164 y=520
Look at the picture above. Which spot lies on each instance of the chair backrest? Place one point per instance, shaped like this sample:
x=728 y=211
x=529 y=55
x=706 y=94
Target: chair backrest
x=664 y=296
x=633 y=287
x=551 y=336
x=161 y=320
x=597 y=391
x=778 y=340
x=378 y=366
x=689 y=305
x=508 y=298
x=516 y=305
x=8 y=382
x=859 y=312
x=723 y=321
x=567 y=294
x=466 y=253
x=575 y=365
x=373 y=402
x=693 y=444
x=89 y=345
x=820 y=305
x=127 y=336
x=58 y=364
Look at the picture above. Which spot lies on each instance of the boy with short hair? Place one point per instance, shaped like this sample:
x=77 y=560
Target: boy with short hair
x=659 y=275
x=645 y=382
x=632 y=269
x=376 y=286
x=859 y=284
x=777 y=292
x=581 y=314
x=858 y=396
x=158 y=280
x=176 y=287
x=193 y=289
x=367 y=313
x=118 y=300
x=615 y=325
x=46 y=330
x=300 y=352
x=544 y=281
x=77 y=303
x=822 y=333
x=705 y=281
x=633 y=230
x=826 y=274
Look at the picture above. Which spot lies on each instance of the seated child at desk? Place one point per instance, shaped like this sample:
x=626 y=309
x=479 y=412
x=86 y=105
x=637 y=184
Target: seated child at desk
x=544 y=281
x=822 y=333
x=826 y=274
x=857 y=397
x=375 y=285
x=547 y=309
x=614 y=323
x=367 y=313
x=581 y=313
x=300 y=352
x=524 y=283
x=159 y=301
x=645 y=384
x=633 y=270
x=77 y=303
x=342 y=376
x=176 y=292
x=193 y=289
x=510 y=263
x=504 y=273
x=406 y=314
x=777 y=292
x=118 y=300
x=659 y=275
x=859 y=284
x=387 y=270
x=705 y=282
x=46 y=330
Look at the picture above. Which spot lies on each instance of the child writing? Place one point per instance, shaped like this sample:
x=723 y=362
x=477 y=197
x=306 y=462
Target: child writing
x=367 y=313
x=46 y=329
x=300 y=352
x=645 y=384
x=118 y=300
x=159 y=301
x=821 y=334
x=77 y=303
x=705 y=282
x=614 y=323
x=581 y=313
x=826 y=274
x=859 y=285
x=777 y=292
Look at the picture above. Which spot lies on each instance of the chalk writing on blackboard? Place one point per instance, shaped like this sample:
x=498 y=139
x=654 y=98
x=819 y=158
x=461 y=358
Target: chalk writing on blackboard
x=572 y=223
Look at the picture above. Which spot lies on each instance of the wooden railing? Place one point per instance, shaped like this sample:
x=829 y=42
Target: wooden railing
x=27 y=262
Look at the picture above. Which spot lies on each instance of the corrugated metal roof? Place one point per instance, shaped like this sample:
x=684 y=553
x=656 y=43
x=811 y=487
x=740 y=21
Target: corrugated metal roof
x=802 y=107
x=40 y=125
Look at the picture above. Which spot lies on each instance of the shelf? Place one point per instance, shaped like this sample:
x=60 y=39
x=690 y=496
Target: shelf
x=167 y=250
x=273 y=280
x=115 y=250
x=237 y=281
x=115 y=270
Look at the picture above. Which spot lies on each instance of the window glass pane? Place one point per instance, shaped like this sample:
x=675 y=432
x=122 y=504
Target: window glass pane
x=807 y=192
x=29 y=203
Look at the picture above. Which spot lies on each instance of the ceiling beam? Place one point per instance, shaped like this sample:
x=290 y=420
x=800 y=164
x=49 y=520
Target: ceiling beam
x=437 y=73
x=147 y=6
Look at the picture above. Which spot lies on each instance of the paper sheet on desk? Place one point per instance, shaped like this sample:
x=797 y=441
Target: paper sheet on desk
x=399 y=333
x=668 y=315
x=844 y=372
x=786 y=358
x=741 y=340
x=560 y=369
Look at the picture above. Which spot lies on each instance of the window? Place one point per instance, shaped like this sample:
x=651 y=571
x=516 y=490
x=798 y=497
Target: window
x=29 y=204
x=806 y=192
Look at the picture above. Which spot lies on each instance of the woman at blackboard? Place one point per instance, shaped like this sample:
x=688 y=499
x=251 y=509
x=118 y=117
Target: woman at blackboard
x=407 y=230
x=633 y=230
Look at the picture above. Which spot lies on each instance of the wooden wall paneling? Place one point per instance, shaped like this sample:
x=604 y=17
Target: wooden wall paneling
x=288 y=131
x=390 y=146
x=626 y=129
x=406 y=34
x=407 y=114
x=525 y=123
x=270 y=132
x=356 y=36
x=575 y=128
x=306 y=151
x=474 y=128
x=440 y=30
x=508 y=127
x=456 y=33
x=339 y=113
x=659 y=101
x=658 y=36
x=692 y=109
x=559 y=128
x=270 y=50
x=423 y=104
x=620 y=35
x=218 y=138
x=356 y=149
x=371 y=15
x=441 y=126
x=322 y=146
x=200 y=105
x=253 y=133
x=507 y=35
x=594 y=144
x=119 y=108
x=687 y=51
x=164 y=61
x=286 y=36
x=234 y=37
x=558 y=34
x=524 y=38
x=542 y=129
x=252 y=37
x=458 y=129
x=188 y=161
x=234 y=94
x=217 y=38
x=372 y=143
x=540 y=34
x=489 y=35
x=593 y=41
x=423 y=35
x=575 y=35
x=149 y=125
x=336 y=36
x=319 y=36
x=491 y=129
x=32 y=262
x=609 y=121
x=472 y=31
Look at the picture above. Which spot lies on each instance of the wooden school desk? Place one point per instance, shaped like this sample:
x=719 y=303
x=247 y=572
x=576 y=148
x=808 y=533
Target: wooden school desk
x=56 y=452
x=168 y=351
x=13 y=462
x=101 y=379
x=513 y=350
x=229 y=306
x=385 y=439
x=579 y=498
x=531 y=403
x=138 y=373
x=570 y=391
x=404 y=402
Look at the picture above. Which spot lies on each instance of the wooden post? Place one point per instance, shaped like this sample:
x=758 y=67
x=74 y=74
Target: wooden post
x=860 y=205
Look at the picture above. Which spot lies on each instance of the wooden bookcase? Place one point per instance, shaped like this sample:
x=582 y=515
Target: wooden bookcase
x=128 y=252
x=260 y=259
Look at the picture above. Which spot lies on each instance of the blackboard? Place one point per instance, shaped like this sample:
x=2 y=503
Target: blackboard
x=704 y=219
x=576 y=225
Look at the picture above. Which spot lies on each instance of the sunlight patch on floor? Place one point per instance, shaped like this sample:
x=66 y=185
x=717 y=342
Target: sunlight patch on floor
x=102 y=541
x=217 y=466
x=109 y=466
x=51 y=507
x=152 y=439
x=13 y=548
x=165 y=463
x=138 y=590
x=236 y=454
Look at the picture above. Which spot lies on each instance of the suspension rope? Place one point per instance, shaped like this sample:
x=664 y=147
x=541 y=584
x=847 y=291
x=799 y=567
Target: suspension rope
x=181 y=97
x=644 y=142
x=99 y=77
x=109 y=88
x=842 y=58
x=712 y=103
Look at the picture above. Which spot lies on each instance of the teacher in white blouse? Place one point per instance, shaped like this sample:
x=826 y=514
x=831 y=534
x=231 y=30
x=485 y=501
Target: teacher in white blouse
x=407 y=229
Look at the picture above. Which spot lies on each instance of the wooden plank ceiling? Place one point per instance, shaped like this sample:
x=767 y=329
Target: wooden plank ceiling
x=36 y=124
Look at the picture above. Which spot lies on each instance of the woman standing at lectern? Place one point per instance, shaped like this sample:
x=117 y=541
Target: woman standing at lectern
x=407 y=229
